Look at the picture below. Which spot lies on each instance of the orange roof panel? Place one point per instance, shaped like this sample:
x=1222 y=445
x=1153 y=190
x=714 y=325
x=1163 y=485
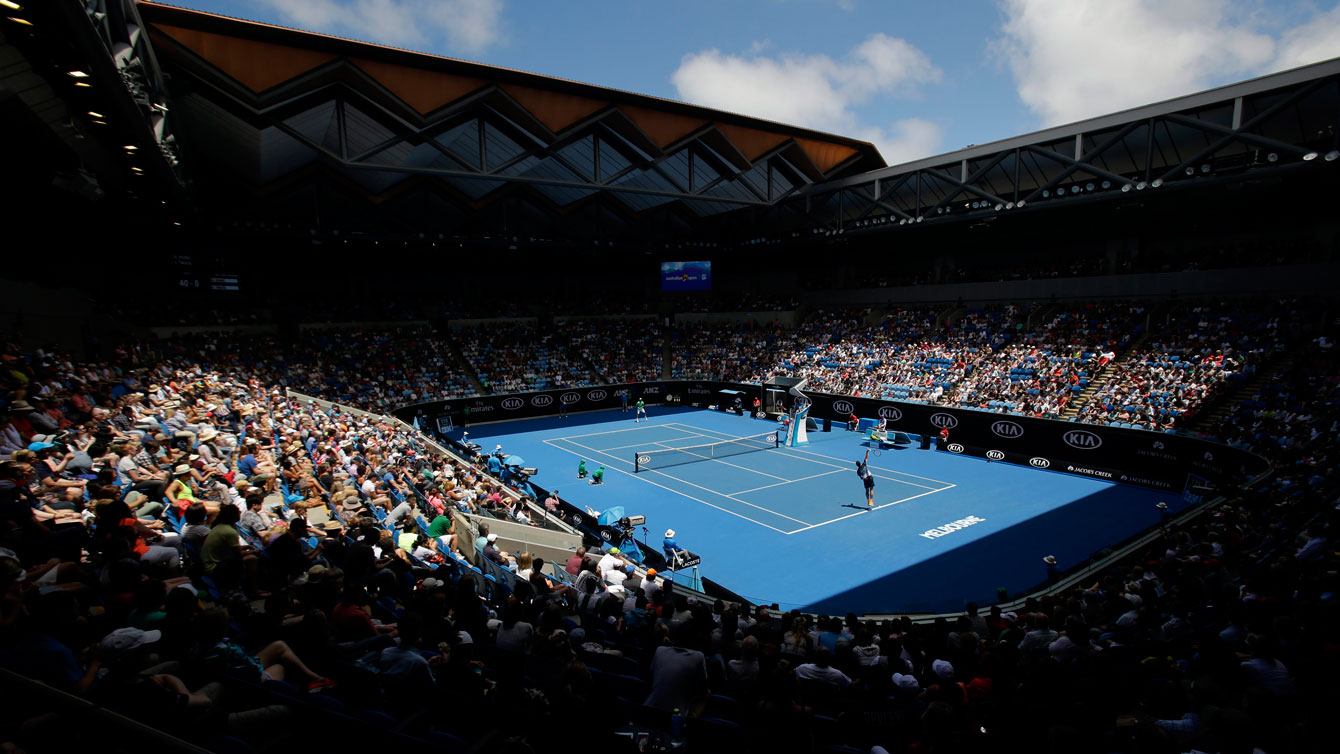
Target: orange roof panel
x=663 y=128
x=555 y=110
x=421 y=89
x=751 y=142
x=256 y=65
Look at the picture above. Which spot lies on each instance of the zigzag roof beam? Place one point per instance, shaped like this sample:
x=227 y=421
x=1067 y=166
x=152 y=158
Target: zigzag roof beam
x=1230 y=135
x=966 y=183
x=1240 y=132
x=1084 y=160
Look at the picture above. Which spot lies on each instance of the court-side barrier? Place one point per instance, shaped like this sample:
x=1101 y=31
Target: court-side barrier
x=1179 y=464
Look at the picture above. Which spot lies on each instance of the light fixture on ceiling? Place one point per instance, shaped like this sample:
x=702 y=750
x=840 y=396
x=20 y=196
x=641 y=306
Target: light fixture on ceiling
x=1140 y=186
x=20 y=21
x=1272 y=158
x=83 y=84
x=95 y=115
x=1157 y=183
x=131 y=147
x=1333 y=155
x=1310 y=156
x=1125 y=188
x=77 y=74
x=11 y=5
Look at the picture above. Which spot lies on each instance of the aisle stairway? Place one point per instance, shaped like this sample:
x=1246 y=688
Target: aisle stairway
x=1104 y=376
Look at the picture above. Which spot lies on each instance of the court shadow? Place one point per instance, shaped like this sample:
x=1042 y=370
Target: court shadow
x=1010 y=557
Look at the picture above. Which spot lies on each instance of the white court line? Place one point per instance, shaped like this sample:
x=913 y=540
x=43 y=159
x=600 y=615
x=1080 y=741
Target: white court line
x=732 y=465
x=630 y=429
x=645 y=444
x=677 y=492
x=788 y=481
x=867 y=510
x=835 y=458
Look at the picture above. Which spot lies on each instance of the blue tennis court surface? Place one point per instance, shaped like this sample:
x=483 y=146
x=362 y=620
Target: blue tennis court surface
x=790 y=525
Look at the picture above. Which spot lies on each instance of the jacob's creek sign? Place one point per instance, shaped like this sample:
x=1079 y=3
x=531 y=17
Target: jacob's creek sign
x=951 y=527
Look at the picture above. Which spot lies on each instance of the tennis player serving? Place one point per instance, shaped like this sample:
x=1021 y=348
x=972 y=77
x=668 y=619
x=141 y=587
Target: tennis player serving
x=863 y=471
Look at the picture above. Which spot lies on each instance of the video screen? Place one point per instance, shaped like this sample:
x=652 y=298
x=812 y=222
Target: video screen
x=686 y=276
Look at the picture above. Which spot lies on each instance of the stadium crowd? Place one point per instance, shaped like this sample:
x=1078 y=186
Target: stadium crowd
x=189 y=547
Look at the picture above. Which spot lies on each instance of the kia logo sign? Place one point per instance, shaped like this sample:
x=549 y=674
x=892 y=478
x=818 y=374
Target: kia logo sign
x=944 y=421
x=844 y=407
x=1082 y=439
x=1040 y=463
x=995 y=455
x=644 y=459
x=512 y=404
x=891 y=413
x=597 y=395
x=605 y=534
x=1007 y=429
x=541 y=401
x=569 y=398
x=955 y=448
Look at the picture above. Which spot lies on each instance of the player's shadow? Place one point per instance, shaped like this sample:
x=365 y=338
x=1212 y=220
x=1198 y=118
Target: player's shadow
x=856 y=507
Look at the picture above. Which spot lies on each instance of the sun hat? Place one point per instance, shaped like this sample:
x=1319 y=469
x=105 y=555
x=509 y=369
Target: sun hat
x=669 y=533
x=125 y=640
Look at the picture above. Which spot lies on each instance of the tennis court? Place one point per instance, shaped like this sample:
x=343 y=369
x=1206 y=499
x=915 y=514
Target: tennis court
x=790 y=525
x=772 y=487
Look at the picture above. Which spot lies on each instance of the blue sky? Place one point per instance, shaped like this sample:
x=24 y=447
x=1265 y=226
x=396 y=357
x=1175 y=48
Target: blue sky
x=914 y=78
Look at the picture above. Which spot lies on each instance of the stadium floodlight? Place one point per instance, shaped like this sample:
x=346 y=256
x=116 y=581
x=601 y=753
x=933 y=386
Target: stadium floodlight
x=1158 y=182
x=11 y=5
x=1106 y=184
x=1272 y=157
x=77 y=74
x=1205 y=168
x=1009 y=205
x=1190 y=170
x=1088 y=187
x=1140 y=186
x=919 y=219
x=999 y=206
x=1333 y=155
x=1125 y=188
x=1046 y=193
x=20 y=21
x=1310 y=156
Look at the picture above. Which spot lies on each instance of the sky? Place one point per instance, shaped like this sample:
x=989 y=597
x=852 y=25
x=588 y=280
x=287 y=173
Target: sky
x=915 y=78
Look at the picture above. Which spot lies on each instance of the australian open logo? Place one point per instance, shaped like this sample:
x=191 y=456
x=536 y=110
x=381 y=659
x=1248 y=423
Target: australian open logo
x=954 y=447
x=944 y=421
x=1082 y=439
x=1039 y=462
x=567 y=399
x=843 y=407
x=1007 y=429
x=995 y=455
x=597 y=395
x=891 y=413
x=512 y=404
x=540 y=401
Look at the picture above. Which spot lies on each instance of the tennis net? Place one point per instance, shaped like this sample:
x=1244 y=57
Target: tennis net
x=660 y=458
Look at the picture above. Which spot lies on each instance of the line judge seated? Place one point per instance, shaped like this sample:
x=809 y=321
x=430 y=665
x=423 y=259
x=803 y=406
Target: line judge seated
x=674 y=554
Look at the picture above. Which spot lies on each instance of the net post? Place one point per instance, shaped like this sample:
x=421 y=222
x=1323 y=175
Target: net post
x=637 y=465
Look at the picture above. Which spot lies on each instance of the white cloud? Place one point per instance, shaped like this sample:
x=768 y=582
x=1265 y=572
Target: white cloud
x=1317 y=39
x=817 y=91
x=1075 y=59
x=453 y=26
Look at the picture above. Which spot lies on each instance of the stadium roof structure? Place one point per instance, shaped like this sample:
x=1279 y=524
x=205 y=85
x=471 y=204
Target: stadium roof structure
x=1281 y=125
x=279 y=123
